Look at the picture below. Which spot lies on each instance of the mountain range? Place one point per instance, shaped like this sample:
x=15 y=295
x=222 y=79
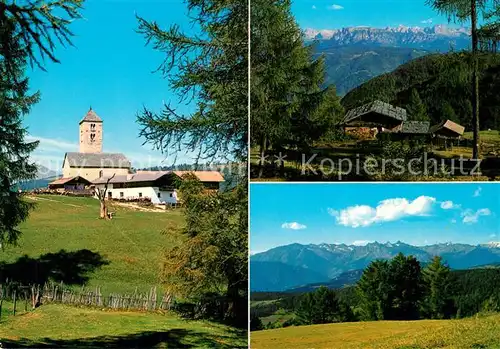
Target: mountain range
x=436 y=38
x=291 y=266
x=357 y=54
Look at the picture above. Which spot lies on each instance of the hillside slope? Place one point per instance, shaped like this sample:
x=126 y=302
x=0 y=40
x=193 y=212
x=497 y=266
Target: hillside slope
x=348 y=67
x=479 y=332
x=65 y=240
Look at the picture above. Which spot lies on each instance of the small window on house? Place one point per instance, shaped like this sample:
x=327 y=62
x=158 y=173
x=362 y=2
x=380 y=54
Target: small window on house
x=121 y=194
x=110 y=195
x=140 y=195
x=100 y=174
x=171 y=195
x=159 y=195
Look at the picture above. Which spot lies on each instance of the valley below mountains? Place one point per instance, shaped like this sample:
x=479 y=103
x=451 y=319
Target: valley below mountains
x=296 y=267
x=358 y=54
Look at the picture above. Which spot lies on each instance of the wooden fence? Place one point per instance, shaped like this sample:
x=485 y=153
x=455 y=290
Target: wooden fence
x=22 y=297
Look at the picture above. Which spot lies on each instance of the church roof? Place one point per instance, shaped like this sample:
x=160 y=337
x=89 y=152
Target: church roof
x=97 y=160
x=91 y=116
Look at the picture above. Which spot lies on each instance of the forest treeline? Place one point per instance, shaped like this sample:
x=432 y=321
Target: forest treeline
x=396 y=289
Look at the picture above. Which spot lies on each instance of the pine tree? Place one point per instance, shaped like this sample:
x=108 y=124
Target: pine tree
x=209 y=70
x=405 y=291
x=27 y=33
x=373 y=290
x=439 y=289
x=15 y=101
x=416 y=109
x=289 y=105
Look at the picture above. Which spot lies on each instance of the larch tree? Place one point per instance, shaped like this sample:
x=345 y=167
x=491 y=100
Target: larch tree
x=290 y=106
x=29 y=33
x=209 y=70
x=474 y=10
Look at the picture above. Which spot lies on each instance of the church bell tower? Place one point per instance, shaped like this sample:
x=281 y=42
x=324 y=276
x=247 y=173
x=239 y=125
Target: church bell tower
x=91 y=133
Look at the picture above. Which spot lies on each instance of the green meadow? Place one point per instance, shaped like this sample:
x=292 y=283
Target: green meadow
x=64 y=240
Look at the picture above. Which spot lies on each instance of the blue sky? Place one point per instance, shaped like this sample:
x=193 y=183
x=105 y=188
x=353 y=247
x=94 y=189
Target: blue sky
x=418 y=214
x=334 y=14
x=109 y=69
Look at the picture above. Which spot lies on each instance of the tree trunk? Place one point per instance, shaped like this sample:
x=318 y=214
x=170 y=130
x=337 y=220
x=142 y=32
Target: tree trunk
x=475 y=82
x=104 y=210
x=262 y=153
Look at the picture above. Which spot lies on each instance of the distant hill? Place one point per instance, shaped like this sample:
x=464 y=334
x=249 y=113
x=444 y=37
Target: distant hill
x=43 y=178
x=443 y=82
x=340 y=264
x=348 y=67
x=280 y=276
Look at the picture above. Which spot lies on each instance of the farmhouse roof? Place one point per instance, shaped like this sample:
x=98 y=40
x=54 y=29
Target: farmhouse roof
x=132 y=178
x=415 y=127
x=64 y=180
x=148 y=176
x=91 y=116
x=377 y=107
x=97 y=160
x=61 y=181
x=449 y=125
x=203 y=176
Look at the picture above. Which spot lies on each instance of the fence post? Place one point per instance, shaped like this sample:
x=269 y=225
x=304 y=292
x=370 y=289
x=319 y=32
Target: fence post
x=1 y=302
x=15 y=302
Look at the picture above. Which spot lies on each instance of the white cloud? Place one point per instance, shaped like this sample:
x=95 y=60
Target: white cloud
x=313 y=7
x=448 y=205
x=48 y=144
x=477 y=192
x=469 y=216
x=293 y=226
x=336 y=7
x=386 y=211
x=453 y=221
x=361 y=242
x=427 y=21
x=493 y=235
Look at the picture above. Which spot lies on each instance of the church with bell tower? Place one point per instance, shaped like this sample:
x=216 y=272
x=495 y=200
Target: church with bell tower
x=91 y=162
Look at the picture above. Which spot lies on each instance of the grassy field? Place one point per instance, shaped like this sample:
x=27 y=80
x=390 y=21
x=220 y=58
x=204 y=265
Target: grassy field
x=69 y=327
x=479 y=332
x=118 y=255
x=63 y=239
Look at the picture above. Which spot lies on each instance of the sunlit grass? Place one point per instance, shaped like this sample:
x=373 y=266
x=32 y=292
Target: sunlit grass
x=477 y=332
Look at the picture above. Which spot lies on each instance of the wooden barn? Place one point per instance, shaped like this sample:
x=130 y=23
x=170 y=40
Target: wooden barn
x=448 y=130
x=70 y=184
x=377 y=114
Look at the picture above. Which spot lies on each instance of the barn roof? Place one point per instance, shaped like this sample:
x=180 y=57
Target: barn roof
x=378 y=107
x=62 y=181
x=415 y=127
x=449 y=125
x=91 y=116
x=97 y=160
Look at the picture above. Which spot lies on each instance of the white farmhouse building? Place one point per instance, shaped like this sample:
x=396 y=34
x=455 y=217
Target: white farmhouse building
x=159 y=186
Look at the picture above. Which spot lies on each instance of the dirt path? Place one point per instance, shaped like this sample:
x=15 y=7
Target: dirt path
x=37 y=198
